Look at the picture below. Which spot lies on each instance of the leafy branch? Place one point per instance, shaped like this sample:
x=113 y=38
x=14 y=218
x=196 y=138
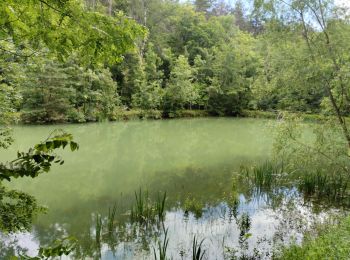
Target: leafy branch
x=60 y=247
x=38 y=159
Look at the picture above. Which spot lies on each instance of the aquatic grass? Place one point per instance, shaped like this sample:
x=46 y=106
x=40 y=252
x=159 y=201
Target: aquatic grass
x=162 y=247
x=145 y=211
x=197 y=250
x=140 y=204
x=111 y=222
x=322 y=185
x=263 y=174
x=193 y=205
x=98 y=230
x=140 y=211
x=160 y=206
x=311 y=182
x=233 y=204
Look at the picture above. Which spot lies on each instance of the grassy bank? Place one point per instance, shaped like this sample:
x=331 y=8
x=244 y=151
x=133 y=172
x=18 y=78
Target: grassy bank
x=332 y=242
x=275 y=114
x=158 y=114
x=135 y=114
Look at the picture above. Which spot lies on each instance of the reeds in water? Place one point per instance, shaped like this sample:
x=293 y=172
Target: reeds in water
x=197 y=249
x=160 y=206
x=98 y=234
x=111 y=222
x=162 y=247
x=264 y=175
x=145 y=210
x=322 y=185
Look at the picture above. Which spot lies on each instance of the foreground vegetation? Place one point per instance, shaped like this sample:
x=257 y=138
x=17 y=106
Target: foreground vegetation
x=332 y=242
x=47 y=31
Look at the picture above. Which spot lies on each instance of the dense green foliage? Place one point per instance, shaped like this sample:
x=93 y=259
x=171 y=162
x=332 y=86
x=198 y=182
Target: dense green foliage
x=36 y=38
x=333 y=242
x=56 y=92
x=204 y=56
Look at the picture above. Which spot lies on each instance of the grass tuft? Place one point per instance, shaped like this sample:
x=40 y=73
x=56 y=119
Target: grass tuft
x=145 y=211
x=322 y=185
x=162 y=247
x=197 y=250
x=111 y=222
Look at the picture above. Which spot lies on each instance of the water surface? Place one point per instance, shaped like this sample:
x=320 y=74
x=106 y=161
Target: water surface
x=196 y=161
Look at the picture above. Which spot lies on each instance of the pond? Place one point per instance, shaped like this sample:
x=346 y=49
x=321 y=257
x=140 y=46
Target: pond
x=197 y=162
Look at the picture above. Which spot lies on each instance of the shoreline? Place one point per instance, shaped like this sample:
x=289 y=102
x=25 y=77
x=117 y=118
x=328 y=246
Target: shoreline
x=134 y=114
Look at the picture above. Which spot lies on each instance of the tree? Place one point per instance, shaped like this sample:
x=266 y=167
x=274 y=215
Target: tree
x=240 y=19
x=203 y=74
x=202 y=5
x=59 y=92
x=150 y=93
x=180 y=86
x=132 y=77
x=326 y=37
x=284 y=80
x=96 y=96
x=65 y=27
x=58 y=29
x=47 y=94
x=221 y=8
x=234 y=69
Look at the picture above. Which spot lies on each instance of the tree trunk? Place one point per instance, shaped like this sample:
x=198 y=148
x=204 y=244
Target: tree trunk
x=110 y=5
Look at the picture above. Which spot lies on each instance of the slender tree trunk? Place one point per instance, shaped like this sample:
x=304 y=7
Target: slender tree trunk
x=322 y=23
x=341 y=119
x=110 y=6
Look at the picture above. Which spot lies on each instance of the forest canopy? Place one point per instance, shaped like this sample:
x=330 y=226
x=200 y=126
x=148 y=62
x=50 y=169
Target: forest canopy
x=95 y=59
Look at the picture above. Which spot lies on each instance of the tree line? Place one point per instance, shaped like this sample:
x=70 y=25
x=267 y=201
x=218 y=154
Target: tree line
x=201 y=55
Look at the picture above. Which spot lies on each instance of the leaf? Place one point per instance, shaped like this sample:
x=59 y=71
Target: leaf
x=248 y=235
x=73 y=146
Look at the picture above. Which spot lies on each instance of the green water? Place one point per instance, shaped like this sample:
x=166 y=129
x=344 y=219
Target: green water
x=117 y=158
x=190 y=159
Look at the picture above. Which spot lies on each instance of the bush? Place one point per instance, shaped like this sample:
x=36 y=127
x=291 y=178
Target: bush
x=332 y=243
x=76 y=116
